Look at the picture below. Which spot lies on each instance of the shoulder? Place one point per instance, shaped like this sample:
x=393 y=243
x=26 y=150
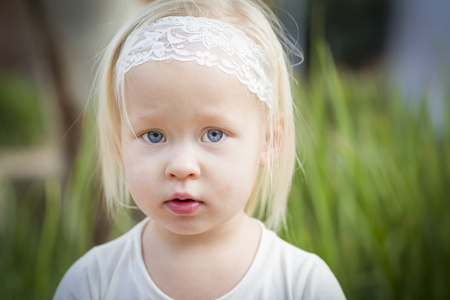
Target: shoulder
x=290 y=259
x=90 y=276
x=299 y=273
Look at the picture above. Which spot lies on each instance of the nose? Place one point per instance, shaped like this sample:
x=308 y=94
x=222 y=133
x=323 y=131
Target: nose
x=183 y=165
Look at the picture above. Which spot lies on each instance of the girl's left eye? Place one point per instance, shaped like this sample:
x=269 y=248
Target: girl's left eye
x=213 y=136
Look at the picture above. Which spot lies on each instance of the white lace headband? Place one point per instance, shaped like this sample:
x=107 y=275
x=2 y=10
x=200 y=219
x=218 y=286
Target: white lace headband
x=205 y=41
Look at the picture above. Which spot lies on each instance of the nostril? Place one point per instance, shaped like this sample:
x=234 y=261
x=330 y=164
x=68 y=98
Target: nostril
x=182 y=175
x=182 y=167
x=190 y=175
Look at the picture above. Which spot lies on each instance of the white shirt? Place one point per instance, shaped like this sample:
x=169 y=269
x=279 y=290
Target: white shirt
x=116 y=270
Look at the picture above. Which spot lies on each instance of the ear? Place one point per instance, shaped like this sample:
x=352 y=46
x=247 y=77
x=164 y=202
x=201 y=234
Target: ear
x=273 y=144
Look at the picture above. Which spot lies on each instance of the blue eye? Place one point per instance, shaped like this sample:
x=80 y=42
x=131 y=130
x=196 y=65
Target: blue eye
x=154 y=137
x=213 y=136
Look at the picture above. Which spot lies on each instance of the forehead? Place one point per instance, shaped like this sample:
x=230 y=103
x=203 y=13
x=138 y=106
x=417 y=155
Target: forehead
x=158 y=85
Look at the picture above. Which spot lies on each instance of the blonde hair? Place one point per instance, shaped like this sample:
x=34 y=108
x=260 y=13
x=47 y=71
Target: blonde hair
x=269 y=198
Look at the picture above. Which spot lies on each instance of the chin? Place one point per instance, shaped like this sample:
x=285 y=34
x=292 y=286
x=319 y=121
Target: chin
x=185 y=227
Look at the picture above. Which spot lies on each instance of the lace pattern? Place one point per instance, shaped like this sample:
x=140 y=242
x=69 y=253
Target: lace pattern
x=205 y=41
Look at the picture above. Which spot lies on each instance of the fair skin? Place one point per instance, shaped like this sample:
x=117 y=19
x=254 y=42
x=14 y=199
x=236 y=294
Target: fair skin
x=192 y=147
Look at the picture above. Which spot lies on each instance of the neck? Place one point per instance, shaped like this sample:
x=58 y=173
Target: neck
x=212 y=262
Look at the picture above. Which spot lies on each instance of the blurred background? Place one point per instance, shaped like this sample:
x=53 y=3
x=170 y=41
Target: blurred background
x=373 y=98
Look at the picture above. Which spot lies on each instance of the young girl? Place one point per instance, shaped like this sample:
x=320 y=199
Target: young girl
x=196 y=123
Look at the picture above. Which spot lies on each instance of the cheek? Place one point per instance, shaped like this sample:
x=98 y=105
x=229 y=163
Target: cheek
x=235 y=176
x=135 y=180
x=139 y=173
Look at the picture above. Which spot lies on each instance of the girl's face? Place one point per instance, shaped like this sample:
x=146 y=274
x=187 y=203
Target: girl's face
x=194 y=147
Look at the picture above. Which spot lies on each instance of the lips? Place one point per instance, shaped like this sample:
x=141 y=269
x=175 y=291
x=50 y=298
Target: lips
x=183 y=204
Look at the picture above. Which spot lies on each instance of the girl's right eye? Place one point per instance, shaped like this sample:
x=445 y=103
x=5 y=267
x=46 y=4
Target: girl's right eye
x=154 y=137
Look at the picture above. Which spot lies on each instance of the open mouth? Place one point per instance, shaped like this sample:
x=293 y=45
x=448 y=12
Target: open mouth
x=186 y=206
x=184 y=200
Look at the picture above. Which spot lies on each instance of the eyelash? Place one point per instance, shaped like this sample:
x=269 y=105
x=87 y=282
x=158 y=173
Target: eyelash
x=216 y=131
x=153 y=134
x=156 y=136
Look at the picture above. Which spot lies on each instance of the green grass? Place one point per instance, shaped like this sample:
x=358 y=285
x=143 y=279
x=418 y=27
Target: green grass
x=45 y=228
x=373 y=201
x=374 y=198
x=21 y=111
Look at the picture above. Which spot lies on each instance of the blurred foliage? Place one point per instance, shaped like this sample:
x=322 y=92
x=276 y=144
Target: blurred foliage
x=374 y=198
x=21 y=111
x=372 y=202
x=45 y=228
x=356 y=30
